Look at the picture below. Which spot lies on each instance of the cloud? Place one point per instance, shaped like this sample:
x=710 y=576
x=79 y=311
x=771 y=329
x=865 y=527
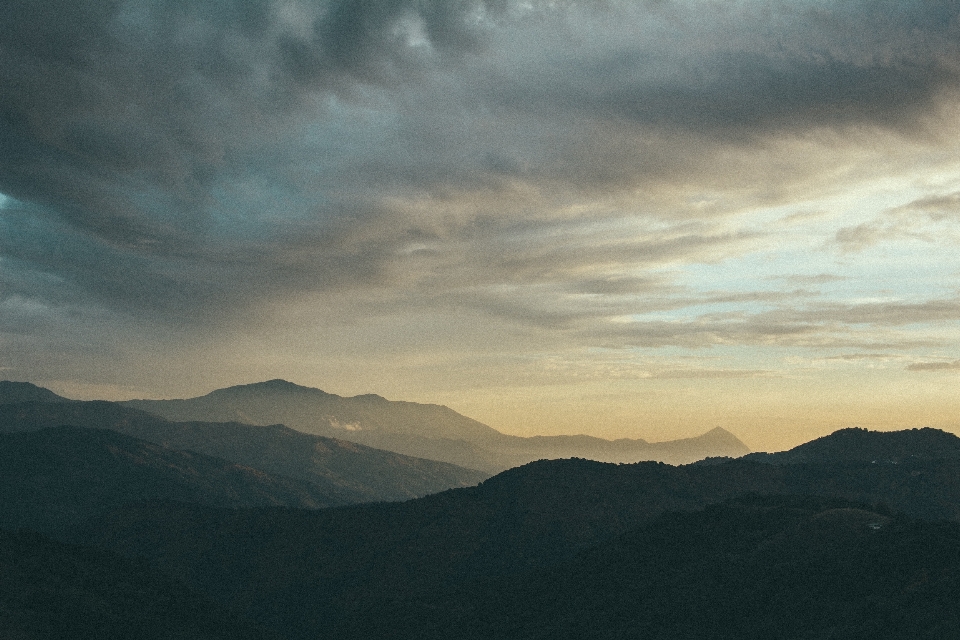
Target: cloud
x=937 y=208
x=934 y=366
x=930 y=219
x=854 y=357
x=185 y=162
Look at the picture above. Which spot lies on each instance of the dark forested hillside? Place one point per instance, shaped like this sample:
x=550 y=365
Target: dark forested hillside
x=847 y=445
x=839 y=546
x=51 y=590
x=756 y=568
x=312 y=573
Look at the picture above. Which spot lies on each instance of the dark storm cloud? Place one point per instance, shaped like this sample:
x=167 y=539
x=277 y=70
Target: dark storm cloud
x=176 y=157
x=748 y=94
x=752 y=69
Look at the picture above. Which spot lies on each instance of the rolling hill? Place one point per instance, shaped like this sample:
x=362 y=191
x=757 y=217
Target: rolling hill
x=856 y=444
x=342 y=572
x=345 y=471
x=52 y=480
x=772 y=567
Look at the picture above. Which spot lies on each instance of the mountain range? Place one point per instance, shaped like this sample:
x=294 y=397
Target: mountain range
x=163 y=529
x=52 y=480
x=427 y=431
x=344 y=472
x=353 y=572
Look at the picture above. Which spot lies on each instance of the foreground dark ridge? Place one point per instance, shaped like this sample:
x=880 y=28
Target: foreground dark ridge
x=506 y=558
x=771 y=567
x=58 y=591
x=346 y=572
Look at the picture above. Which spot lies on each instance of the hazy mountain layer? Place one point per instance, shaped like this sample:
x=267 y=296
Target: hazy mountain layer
x=344 y=472
x=53 y=590
x=331 y=572
x=53 y=479
x=422 y=430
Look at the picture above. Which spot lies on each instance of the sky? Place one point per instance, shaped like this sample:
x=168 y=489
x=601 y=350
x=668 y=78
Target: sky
x=630 y=219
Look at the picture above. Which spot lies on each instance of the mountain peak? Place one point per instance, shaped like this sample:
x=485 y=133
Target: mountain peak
x=276 y=385
x=718 y=432
x=718 y=436
x=370 y=397
x=11 y=392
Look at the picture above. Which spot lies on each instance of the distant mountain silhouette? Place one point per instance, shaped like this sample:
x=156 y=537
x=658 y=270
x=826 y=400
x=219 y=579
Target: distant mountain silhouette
x=422 y=430
x=857 y=444
x=343 y=471
x=55 y=590
x=53 y=479
x=11 y=392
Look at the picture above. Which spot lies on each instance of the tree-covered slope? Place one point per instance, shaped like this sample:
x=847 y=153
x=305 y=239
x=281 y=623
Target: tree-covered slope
x=55 y=479
x=51 y=590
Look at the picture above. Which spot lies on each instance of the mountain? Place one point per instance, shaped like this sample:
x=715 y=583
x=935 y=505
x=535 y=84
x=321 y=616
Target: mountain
x=54 y=479
x=682 y=451
x=345 y=572
x=422 y=430
x=771 y=567
x=279 y=401
x=343 y=471
x=11 y=392
x=857 y=444
x=55 y=590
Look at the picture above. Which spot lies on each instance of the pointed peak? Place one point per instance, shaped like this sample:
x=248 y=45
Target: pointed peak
x=719 y=433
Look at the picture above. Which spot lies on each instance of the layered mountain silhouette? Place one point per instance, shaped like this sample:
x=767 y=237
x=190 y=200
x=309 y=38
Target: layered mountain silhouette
x=422 y=430
x=854 y=535
x=52 y=480
x=351 y=572
x=344 y=472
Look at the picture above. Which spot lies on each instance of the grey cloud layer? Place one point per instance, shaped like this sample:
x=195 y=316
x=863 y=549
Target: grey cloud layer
x=177 y=159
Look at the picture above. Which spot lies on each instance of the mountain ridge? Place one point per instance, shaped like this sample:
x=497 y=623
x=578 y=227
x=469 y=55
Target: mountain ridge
x=360 y=559
x=11 y=391
x=55 y=478
x=429 y=431
x=859 y=444
x=352 y=472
